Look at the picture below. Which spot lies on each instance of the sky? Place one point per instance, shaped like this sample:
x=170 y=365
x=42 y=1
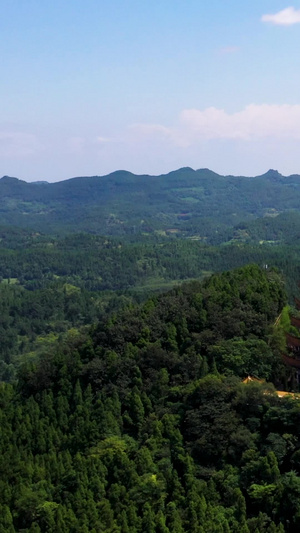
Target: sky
x=90 y=87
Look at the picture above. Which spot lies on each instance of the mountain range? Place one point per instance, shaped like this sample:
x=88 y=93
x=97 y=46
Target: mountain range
x=194 y=203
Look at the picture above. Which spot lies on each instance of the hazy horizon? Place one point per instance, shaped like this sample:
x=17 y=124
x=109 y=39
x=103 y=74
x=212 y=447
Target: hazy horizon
x=90 y=87
x=150 y=175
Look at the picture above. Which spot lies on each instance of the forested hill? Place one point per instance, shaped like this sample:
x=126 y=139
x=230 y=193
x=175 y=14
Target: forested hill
x=185 y=201
x=143 y=424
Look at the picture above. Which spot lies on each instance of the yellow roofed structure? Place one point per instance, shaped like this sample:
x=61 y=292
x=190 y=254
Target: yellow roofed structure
x=280 y=393
x=251 y=379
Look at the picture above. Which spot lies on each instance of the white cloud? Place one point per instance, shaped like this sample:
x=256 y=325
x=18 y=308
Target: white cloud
x=254 y=122
x=18 y=144
x=286 y=17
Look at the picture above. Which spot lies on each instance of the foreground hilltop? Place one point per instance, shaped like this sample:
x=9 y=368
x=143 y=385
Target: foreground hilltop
x=142 y=424
x=186 y=201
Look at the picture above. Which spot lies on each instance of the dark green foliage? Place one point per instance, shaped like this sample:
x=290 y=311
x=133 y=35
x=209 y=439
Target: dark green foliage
x=123 y=428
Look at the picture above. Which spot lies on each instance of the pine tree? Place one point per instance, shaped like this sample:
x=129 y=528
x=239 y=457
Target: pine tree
x=148 y=520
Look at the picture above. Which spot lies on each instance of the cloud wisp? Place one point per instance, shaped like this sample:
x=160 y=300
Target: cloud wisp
x=254 y=122
x=286 y=17
x=18 y=144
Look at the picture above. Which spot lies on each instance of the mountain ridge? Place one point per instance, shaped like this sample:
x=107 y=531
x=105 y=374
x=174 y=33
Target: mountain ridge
x=185 y=201
x=269 y=173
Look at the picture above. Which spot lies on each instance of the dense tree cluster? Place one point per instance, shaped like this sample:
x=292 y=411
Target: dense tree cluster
x=143 y=424
x=51 y=284
x=140 y=423
x=99 y=263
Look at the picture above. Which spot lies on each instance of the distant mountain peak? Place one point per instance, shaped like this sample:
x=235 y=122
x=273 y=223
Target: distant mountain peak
x=7 y=178
x=121 y=173
x=179 y=171
x=189 y=169
x=272 y=174
x=209 y=172
x=272 y=171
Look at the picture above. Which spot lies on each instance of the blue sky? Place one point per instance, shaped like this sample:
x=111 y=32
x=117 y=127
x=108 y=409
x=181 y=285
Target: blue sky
x=95 y=86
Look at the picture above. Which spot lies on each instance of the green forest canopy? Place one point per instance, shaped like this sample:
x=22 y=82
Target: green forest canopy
x=199 y=204
x=142 y=424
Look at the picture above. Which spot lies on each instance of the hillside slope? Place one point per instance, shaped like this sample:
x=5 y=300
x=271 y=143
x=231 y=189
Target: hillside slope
x=193 y=203
x=132 y=428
